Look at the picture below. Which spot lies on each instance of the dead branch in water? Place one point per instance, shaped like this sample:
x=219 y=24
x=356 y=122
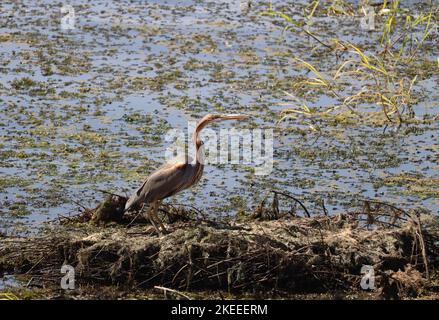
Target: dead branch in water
x=295 y=199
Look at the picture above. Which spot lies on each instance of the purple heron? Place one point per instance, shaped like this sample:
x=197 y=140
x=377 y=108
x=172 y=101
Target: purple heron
x=174 y=176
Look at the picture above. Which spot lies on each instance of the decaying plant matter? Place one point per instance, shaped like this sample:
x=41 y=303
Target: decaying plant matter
x=286 y=253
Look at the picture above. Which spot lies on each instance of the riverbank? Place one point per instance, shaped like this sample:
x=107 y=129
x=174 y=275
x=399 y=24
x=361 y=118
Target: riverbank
x=283 y=256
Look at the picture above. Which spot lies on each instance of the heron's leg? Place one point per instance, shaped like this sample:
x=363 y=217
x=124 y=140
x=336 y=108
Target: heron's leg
x=149 y=214
x=156 y=207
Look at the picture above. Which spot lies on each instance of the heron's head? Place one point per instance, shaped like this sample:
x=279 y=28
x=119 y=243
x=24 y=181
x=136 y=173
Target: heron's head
x=213 y=118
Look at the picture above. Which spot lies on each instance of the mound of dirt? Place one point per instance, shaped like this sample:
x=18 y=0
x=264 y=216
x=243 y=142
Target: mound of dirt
x=289 y=254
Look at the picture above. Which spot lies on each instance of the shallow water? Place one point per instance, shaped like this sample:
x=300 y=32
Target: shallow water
x=164 y=64
x=9 y=281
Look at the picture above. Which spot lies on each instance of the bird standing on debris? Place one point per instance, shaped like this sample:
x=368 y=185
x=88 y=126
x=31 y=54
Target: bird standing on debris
x=174 y=176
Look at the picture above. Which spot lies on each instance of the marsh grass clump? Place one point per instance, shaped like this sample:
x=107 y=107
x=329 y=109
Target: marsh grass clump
x=23 y=83
x=384 y=71
x=425 y=187
x=33 y=88
x=155 y=83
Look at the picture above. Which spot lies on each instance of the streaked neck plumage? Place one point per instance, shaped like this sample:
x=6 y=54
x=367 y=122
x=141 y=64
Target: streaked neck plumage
x=198 y=162
x=199 y=146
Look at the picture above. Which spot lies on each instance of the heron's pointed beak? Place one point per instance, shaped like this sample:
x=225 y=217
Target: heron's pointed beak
x=232 y=116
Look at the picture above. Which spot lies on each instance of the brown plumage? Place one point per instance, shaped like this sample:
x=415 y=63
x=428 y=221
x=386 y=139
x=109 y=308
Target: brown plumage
x=175 y=175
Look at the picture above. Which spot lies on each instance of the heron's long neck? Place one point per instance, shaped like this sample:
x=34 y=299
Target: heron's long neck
x=199 y=160
x=199 y=156
x=199 y=148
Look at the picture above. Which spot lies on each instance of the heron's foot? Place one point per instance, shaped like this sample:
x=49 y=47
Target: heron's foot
x=154 y=225
x=155 y=220
x=162 y=227
x=156 y=231
x=160 y=230
x=158 y=222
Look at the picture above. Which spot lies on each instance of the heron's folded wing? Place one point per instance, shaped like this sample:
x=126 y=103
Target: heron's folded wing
x=176 y=162
x=164 y=182
x=167 y=181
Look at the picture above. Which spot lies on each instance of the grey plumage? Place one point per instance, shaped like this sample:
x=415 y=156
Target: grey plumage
x=174 y=176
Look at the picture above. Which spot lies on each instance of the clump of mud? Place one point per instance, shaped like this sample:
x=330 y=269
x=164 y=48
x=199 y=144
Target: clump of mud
x=111 y=209
x=290 y=254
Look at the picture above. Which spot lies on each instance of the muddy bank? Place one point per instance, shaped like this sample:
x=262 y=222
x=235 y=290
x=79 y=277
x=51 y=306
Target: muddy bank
x=289 y=255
